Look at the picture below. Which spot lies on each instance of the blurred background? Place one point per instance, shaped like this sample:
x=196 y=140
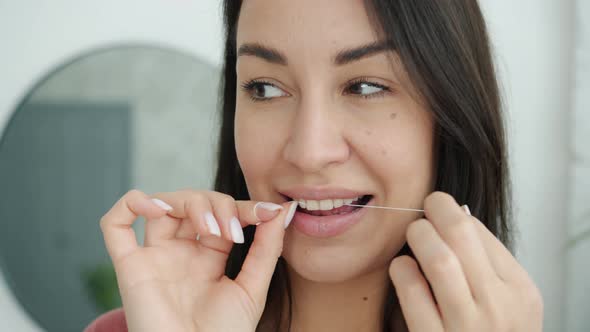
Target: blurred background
x=100 y=97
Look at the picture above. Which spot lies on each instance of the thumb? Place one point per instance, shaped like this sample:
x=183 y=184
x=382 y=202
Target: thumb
x=262 y=257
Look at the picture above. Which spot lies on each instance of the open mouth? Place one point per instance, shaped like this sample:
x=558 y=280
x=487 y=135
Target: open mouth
x=330 y=207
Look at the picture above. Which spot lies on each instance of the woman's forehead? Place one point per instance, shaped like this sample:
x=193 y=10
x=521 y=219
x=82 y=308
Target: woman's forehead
x=325 y=26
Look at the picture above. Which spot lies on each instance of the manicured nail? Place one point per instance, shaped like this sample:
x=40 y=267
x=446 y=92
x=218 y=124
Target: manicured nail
x=290 y=213
x=162 y=205
x=212 y=224
x=266 y=210
x=237 y=234
x=466 y=209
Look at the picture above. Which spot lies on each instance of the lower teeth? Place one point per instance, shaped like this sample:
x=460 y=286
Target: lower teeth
x=317 y=213
x=333 y=212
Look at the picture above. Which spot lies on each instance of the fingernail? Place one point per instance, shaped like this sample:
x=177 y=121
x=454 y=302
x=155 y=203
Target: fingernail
x=466 y=209
x=162 y=205
x=212 y=224
x=266 y=210
x=290 y=214
x=237 y=234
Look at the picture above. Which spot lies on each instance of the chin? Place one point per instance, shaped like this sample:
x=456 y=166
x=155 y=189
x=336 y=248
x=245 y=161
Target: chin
x=325 y=265
x=346 y=256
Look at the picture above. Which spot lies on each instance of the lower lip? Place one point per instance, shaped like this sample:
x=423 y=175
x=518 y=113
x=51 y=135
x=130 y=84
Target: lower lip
x=326 y=226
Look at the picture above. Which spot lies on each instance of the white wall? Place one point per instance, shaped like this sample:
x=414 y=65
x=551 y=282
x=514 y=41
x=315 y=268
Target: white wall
x=38 y=35
x=578 y=247
x=533 y=44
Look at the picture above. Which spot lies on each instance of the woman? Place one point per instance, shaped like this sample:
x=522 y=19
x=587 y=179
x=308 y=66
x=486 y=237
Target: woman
x=381 y=103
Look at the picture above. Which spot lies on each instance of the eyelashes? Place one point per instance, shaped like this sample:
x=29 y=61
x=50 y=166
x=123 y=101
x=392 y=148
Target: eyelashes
x=255 y=87
x=365 y=84
x=261 y=90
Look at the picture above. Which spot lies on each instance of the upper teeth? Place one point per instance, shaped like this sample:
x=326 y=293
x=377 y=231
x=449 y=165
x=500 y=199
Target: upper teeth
x=324 y=204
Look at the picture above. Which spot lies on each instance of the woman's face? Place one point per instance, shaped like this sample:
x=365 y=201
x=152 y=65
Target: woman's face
x=325 y=113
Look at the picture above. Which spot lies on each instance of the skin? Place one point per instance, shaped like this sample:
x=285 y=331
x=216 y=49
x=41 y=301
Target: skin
x=374 y=141
x=314 y=131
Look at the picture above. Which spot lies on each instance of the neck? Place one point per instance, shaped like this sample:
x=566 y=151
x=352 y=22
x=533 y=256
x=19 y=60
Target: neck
x=352 y=305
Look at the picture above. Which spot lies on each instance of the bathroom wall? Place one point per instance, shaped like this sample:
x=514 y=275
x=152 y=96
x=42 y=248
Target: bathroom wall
x=533 y=42
x=577 y=282
x=38 y=36
x=117 y=118
x=547 y=111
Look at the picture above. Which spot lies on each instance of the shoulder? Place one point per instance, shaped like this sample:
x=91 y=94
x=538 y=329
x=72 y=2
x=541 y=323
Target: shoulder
x=111 y=321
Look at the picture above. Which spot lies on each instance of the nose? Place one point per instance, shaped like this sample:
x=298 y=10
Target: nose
x=316 y=139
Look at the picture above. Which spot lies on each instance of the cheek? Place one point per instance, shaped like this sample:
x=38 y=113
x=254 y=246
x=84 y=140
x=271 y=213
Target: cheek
x=399 y=152
x=247 y=139
x=257 y=142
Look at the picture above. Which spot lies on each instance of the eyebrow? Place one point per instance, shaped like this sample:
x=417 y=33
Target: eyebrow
x=264 y=52
x=350 y=55
x=342 y=58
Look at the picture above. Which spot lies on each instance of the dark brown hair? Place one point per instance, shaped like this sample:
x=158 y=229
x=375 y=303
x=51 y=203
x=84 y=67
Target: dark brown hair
x=444 y=47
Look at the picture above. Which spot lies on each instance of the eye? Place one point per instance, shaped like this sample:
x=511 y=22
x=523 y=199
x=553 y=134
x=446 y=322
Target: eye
x=262 y=90
x=366 y=89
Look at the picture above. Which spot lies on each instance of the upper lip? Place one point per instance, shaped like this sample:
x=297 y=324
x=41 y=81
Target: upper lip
x=319 y=193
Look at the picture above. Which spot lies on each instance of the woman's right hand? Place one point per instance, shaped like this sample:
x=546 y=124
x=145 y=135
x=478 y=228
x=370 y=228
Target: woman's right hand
x=175 y=282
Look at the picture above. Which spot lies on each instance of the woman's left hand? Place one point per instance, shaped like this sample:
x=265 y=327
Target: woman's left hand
x=478 y=285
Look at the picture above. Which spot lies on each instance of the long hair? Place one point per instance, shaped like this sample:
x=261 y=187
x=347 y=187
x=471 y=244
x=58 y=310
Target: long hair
x=444 y=47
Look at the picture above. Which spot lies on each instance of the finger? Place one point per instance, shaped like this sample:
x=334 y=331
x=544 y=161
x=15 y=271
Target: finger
x=199 y=217
x=116 y=223
x=160 y=229
x=188 y=230
x=418 y=306
x=252 y=213
x=458 y=230
x=195 y=207
x=226 y=208
x=504 y=263
x=262 y=257
x=442 y=269
x=234 y=215
x=226 y=212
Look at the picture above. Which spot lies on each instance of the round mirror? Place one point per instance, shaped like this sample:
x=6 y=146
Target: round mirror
x=108 y=121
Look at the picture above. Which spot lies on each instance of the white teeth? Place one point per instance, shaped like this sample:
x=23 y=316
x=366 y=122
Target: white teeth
x=312 y=205
x=325 y=204
x=302 y=203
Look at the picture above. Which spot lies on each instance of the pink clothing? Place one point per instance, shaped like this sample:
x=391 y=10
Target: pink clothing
x=112 y=321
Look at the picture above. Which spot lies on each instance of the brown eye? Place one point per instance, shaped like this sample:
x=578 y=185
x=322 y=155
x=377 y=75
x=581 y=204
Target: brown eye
x=366 y=89
x=261 y=91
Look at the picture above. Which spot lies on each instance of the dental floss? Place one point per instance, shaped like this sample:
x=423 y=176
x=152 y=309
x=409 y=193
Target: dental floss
x=464 y=207
x=386 y=207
